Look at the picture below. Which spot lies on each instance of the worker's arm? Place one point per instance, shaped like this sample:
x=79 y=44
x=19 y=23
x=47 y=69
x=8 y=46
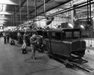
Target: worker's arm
x=32 y=39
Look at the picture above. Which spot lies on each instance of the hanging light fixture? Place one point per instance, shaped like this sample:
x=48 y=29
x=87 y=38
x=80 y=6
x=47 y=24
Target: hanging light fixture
x=70 y=25
x=82 y=26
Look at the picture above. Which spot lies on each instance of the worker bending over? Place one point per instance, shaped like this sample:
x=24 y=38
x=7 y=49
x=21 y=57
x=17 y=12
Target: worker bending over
x=34 y=41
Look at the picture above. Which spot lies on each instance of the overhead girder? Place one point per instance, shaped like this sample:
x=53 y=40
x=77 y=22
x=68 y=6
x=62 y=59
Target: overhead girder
x=16 y=10
x=10 y=8
x=20 y=6
x=23 y=13
x=62 y=3
x=20 y=13
x=15 y=21
x=39 y=6
x=71 y=8
x=12 y=13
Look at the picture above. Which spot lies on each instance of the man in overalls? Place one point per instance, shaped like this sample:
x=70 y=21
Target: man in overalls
x=34 y=41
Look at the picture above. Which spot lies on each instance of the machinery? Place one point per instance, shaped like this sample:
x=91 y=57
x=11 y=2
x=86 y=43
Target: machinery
x=64 y=42
x=66 y=46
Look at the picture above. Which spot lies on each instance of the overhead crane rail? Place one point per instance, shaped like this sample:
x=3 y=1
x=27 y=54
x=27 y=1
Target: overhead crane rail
x=62 y=3
x=71 y=8
x=73 y=65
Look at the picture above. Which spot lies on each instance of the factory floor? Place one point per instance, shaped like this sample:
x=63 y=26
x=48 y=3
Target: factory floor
x=13 y=62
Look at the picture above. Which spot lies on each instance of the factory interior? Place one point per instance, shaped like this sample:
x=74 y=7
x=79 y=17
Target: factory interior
x=66 y=28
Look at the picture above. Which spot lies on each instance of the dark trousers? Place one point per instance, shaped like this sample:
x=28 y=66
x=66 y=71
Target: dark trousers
x=4 y=40
x=20 y=41
x=7 y=39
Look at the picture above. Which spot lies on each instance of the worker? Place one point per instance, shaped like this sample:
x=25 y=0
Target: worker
x=7 y=37
x=4 y=35
x=19 y=37
x=34 y=41
x=24 y=47
x=25 y=37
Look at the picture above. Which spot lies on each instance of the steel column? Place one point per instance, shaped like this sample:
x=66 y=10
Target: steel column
x=44 y=8
x=27 y=11
x=20 y=6
x=20 y=11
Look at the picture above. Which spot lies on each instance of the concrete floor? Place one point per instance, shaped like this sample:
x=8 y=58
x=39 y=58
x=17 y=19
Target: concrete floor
x=13 y=62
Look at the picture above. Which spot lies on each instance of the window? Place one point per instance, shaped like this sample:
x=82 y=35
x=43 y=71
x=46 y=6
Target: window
x=68 y=34
x=56 y=35
x=76 y=34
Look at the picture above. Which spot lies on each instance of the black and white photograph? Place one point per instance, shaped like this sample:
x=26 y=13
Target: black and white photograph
x=46 y=37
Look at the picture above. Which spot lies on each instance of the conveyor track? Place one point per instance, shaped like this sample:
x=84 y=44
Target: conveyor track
x=70 y=64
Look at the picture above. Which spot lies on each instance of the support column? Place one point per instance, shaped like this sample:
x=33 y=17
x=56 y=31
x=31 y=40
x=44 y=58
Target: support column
x=20 y=10
x=13 y=20
x=72 y=14
x=44 y=9
x=27 y=11
x=35 y=4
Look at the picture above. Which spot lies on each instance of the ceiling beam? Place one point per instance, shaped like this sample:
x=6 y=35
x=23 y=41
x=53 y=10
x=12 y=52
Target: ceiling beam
x=20 y=6
x=38 y=7
x=62 y=3
x=71 y=8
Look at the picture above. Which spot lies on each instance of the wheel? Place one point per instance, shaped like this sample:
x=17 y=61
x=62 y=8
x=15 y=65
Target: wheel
x=69 y=65
x=49 y=55
x=24 y=51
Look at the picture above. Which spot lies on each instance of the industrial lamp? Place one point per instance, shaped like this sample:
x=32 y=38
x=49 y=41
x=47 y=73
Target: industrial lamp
x=82 y=26
x=70 y=25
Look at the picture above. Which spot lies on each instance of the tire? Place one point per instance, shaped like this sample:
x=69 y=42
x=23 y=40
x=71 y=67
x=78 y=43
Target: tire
x=50 y=55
